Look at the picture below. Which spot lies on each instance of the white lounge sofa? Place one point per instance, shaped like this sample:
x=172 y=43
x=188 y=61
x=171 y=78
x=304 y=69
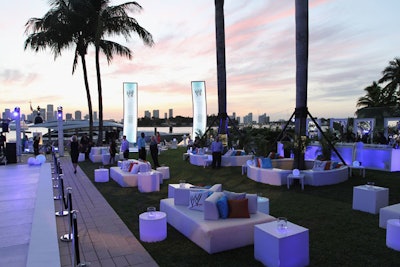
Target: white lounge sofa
x=205 y=229
x=126 y=178
x=283 y=167
x=227 y=159
x=96 y=153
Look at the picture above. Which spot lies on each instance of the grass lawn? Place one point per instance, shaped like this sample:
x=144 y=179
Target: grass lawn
x=339 y=235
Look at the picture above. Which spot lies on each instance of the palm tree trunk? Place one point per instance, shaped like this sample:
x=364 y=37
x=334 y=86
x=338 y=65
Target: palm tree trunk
x=221 y=65
x=89 y=99
x=301 y=80
x=100 y=98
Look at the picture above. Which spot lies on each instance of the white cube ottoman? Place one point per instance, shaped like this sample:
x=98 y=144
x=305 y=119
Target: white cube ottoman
x=101 y=175
x=389 y=212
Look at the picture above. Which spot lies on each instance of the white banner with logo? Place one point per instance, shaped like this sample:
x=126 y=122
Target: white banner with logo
x=199 y=107
x=130 y=91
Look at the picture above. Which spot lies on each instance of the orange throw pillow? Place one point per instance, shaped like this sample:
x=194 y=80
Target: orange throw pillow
x=238 y=208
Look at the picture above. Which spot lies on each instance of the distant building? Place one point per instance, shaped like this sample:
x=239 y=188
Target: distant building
x=6 y=114
x=165 y=115
x=263 y=119
x=147 y=114
x=95 y=118
x=248 y=119
x=171 y=113
x=50 y=113
x=68 y=116
x=156 y=113
x=78 y=115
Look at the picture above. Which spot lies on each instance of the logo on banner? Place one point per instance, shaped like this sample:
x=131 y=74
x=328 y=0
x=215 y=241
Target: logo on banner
x=130 y=93
x=197 y=92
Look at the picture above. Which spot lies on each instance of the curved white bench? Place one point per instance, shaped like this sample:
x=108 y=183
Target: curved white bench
x=283 y=167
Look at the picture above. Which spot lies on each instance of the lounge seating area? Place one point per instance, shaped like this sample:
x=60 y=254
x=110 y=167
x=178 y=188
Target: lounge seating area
x=276 y=171
x=126 y=175
x=199 y=215
x=230 y=158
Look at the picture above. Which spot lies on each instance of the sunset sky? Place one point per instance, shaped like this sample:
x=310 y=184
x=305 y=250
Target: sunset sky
x=350 y=43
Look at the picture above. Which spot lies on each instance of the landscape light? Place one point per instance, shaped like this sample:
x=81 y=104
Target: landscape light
x=16 y=111
x=59 y=112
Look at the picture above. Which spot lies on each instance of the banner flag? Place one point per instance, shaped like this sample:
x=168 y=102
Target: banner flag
x=130 y=92
x=199 y=108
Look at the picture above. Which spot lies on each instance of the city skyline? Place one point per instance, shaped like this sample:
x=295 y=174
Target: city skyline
x=347 y=52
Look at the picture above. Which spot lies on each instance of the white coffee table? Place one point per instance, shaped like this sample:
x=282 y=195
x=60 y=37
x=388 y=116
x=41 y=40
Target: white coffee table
x=361 y=170
x=370 y=198
x=274 y=247
x=291 y=177
x=393 y=234
x=149 y=181
x=165 y=172
x=171 y=188
x=153 y=228
x=263 y=205
x=101 y=175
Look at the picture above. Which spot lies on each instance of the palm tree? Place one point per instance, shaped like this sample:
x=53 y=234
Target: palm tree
x=221 y=65
x=391 y=75
x=373 y=98
x=108 y=20
x=61 y=26
x=301 y=111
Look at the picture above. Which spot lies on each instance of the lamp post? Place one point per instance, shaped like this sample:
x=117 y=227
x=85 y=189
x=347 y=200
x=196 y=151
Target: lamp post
x=17 y=116
x=60 y=131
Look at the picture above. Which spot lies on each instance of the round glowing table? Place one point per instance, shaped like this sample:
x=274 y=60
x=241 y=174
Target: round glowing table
x=153 y=228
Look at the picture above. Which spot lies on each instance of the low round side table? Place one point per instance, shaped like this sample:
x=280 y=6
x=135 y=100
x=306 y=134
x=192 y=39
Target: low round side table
x=153 y=228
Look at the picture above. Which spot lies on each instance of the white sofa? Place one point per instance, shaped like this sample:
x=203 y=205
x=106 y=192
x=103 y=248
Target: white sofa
x=96 y=153
x=328 y=177
x=226 y=160
x=283 y=167
x=128 y=179
x=205 y=229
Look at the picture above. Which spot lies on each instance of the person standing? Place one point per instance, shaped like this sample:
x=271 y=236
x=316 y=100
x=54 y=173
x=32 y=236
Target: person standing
x=36 y=141
x=216 y=148
x=84 y=145
x=113 y=151
x=125 y=147
x=2 y=143
x=154 y=151
x=142 y=146
x=158 y=139
x=74 y=146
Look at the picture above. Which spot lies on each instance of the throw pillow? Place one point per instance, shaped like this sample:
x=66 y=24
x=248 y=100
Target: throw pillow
x=130 y=167
x=266 y=163
x=233 y=195
x=196 y=200
x=253 y=204
x=135 y=168
x=327 y=165
x=222 y=205
x=238 y=208
x=319 y=165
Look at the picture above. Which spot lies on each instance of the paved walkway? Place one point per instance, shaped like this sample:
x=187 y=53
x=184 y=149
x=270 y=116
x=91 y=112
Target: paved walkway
x=104 y=239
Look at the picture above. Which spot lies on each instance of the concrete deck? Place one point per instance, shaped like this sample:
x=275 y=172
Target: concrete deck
x=30 y=231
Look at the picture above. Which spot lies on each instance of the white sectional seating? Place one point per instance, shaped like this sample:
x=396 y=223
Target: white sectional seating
x=281 y=168
x=126 y=178
x=205 y=228
x=230 y=158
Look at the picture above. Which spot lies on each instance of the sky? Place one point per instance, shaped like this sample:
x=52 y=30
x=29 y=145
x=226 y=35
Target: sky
x=350 y=44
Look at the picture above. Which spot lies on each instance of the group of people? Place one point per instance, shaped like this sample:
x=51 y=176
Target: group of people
x=77 y=147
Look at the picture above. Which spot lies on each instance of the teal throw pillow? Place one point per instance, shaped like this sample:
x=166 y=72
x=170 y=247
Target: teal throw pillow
x=222 y=205
x=266 y=163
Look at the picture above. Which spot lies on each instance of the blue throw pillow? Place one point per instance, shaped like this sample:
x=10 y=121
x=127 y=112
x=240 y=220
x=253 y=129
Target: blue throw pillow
x=222 y=205
x=266 y=163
